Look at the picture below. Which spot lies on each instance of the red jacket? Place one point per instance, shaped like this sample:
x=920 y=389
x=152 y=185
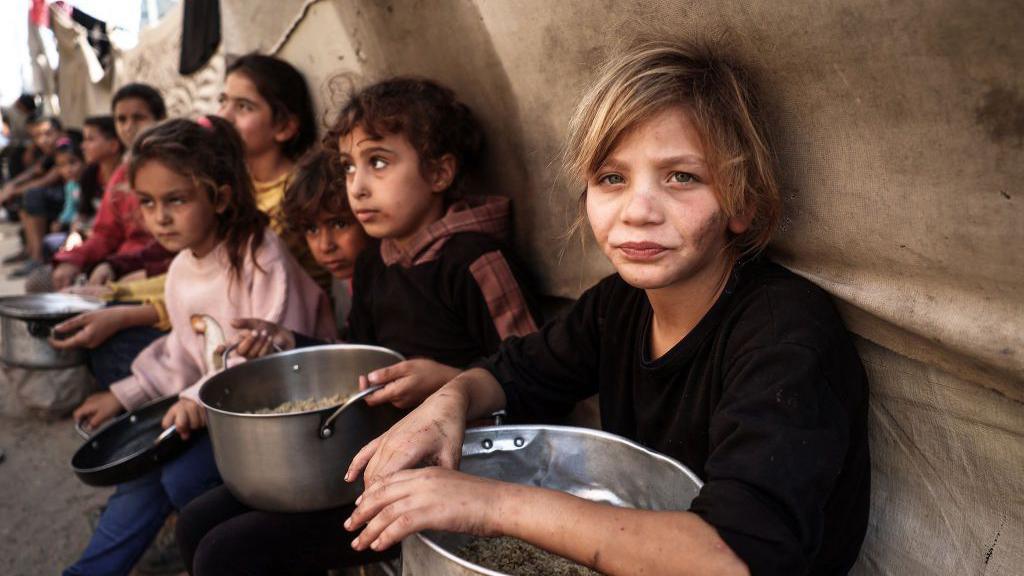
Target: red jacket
x=118 y=227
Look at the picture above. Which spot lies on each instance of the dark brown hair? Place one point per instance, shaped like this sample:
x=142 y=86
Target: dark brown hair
x=316 y=187
x=285 y=90
x=429 y=115
x=212 y=155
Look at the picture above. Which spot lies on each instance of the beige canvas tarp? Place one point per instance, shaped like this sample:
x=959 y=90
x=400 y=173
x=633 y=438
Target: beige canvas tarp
x=900 y=129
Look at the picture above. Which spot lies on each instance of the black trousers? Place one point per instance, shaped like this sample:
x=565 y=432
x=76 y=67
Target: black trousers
x=218 y=535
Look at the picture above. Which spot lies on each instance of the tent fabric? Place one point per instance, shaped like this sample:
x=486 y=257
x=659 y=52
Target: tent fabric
x=900 y=133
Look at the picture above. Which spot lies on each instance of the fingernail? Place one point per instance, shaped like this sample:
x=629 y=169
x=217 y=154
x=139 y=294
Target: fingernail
x=348 y=523
x=372 y=377
x=348 y=478
x=376 y=544
x=359 y=499
x=355 y=544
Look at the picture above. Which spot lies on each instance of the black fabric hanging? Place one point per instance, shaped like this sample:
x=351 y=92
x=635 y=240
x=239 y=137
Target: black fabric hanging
x=97 y=34
x=200 y=34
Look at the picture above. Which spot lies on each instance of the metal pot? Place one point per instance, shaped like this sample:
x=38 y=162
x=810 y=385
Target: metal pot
x=591 y=464
x=294 y=462
x=27 y=321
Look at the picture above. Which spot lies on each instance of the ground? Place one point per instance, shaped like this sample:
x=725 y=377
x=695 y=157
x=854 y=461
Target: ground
x=44 y=508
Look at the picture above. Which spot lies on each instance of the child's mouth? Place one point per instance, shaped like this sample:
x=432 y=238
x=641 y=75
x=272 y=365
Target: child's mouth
x=366 y=215
x=641 y=250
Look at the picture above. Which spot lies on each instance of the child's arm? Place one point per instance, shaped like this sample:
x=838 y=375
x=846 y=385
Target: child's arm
x=407 y=383
x=90 y=329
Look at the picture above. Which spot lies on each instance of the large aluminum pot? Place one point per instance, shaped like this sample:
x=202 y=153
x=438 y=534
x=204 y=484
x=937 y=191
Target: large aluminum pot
x=27 y=321
x=294 y=462
x=591 y=464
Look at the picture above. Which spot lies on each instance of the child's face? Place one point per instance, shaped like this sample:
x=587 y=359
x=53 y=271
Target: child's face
x=45 y=136
x=651 y=208
x=70 y=166
x=177 y=212
x=131 y=117
x=388 y=193
x=242 y=105
x=335 y=242
x=96 y=147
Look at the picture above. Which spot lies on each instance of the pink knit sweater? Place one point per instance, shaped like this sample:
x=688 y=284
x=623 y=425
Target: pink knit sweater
x=277 y=290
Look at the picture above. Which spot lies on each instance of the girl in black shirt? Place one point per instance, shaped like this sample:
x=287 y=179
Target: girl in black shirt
x=698 y=347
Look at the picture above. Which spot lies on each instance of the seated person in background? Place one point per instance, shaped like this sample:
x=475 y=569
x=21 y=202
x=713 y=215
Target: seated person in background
x=268 y=101
x=441 y=287
x=118 y=228
x=699 y=348
x=40 y=190
x=196 y=197
x=102 y=151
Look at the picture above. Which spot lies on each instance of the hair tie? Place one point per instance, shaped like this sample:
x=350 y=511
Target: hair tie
x=204 y=121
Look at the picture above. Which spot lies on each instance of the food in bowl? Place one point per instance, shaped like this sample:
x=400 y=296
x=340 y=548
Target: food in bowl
x=518 y=558
x=306 y=404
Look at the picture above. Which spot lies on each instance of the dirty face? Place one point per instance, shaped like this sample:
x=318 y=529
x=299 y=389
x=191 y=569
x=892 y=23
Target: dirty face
x=651 y=208
x=389 y=194
x=335 y=242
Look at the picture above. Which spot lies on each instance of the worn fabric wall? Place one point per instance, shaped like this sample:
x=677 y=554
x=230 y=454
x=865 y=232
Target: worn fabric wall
x=900 y=130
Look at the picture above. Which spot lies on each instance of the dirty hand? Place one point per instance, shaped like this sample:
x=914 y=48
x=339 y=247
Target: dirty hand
x=64 y=275
x=186 y=416
x=97 y=409
x=407 y=383
x=257 y=337
x=102 y=274
x=431 y=434
x=424 y=499
x=93 y=328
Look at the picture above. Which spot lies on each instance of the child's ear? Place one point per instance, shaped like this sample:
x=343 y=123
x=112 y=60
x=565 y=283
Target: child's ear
x=443 y=173
x=285 y=131
x=222 y=199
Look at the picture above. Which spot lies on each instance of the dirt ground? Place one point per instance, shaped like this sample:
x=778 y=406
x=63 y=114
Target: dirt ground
x=44 y=508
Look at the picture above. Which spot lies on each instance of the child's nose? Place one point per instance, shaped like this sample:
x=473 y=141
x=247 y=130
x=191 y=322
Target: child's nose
x=641 y=206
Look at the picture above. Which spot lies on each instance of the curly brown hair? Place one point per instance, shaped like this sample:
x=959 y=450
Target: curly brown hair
x=430 y=115
x=212 y=155
x=316 y=187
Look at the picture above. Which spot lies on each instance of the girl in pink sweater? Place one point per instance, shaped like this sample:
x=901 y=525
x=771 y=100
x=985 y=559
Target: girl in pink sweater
x=196 y=198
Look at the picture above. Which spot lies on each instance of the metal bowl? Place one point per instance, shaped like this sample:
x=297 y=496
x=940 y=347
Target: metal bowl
x=27 y=321
x=591 y=464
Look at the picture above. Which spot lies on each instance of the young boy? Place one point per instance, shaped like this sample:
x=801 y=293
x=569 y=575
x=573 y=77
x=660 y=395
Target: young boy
x=440 y=287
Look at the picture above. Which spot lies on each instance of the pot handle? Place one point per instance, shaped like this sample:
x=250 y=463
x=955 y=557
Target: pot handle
x=167 y=433
x=80 y=428
x=40 y=329
x=229 y=349
x=327 y=428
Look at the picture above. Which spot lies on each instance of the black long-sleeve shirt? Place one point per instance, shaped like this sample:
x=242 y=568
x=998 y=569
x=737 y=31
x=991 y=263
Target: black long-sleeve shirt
x=765 y=400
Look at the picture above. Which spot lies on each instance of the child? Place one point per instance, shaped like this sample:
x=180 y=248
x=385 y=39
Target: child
x=196 y=197
x=440 y=286
x=268 y=101
x=118 y=229
x=699 y=348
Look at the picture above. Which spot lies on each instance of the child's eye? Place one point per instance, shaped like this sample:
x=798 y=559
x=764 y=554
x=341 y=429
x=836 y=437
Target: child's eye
x=340 y=224
x=683 y=178
x=146 y=203
x=378 y=163
x=311 y=230
x=348 y=168
x=611 y=179
x=176 y=201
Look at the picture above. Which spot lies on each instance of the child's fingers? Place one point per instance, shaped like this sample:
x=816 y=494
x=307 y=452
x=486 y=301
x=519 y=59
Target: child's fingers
x=385 y=375
x=364 y=383
x=245 y=345
x=361 y=459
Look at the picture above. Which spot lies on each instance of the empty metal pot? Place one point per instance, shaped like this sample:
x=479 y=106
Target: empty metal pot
x=588 y=463
x=294 y=462
x=27 y=321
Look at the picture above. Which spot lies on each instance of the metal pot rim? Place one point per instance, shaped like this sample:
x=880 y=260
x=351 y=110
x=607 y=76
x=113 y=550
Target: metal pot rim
x=80 y=303
x=296 y=351
x=544 y=427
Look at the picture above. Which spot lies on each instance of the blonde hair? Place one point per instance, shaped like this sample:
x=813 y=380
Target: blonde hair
x=719 y=98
